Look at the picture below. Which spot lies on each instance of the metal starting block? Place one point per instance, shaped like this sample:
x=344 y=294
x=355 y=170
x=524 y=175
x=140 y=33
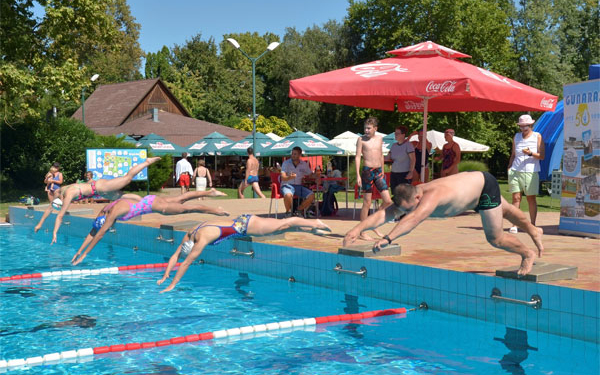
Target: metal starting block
x=541 y=272
x=366 y=251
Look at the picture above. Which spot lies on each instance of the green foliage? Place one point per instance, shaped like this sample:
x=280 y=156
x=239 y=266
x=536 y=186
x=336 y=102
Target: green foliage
x=472 y=165
x=30 y=147
x=266 y=125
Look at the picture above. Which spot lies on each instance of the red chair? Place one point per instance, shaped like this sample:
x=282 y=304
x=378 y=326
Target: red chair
x=275 y=191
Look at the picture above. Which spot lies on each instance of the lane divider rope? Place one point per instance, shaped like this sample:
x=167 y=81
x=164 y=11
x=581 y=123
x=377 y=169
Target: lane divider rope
x=54 y=358
x=85 y=272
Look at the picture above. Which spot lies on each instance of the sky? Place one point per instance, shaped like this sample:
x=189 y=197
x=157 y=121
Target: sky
x=166 y=23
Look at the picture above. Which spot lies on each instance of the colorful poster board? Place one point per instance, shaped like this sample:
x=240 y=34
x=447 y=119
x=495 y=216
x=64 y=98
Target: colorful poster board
x=110 y=163
x=580 y=198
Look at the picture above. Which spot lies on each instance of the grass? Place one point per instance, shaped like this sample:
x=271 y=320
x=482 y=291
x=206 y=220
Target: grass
x=545 y=203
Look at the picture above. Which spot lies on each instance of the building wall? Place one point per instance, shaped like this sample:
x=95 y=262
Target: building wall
x=157 y=98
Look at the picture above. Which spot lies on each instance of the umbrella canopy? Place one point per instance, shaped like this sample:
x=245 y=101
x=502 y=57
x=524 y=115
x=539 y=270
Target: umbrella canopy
x=438 y=141
x=239 y=148
x=209 y=145
x=426 y=70
x=310 y=146
x=274 y=137
x=318 y=136
x=126 y=138
x=422 y=78
x=160 y=146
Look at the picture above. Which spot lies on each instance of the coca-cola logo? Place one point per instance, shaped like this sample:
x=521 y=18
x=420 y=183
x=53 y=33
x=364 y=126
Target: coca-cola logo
x=411 y=105
x=547 y=103
x=446 y=86
x=377 y=69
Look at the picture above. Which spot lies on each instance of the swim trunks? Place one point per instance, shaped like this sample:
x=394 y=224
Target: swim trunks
x=372 y=176
x=490 y=194
x=251 y=179
x=184 y=179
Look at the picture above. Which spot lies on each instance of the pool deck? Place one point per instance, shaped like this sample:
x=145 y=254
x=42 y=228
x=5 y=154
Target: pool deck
x=456 y=243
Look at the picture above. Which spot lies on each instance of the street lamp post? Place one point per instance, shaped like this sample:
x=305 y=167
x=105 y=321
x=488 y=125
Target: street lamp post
x=93 y=78
x=270 y=47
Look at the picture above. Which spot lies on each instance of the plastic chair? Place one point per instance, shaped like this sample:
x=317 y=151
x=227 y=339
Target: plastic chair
x=275 y=191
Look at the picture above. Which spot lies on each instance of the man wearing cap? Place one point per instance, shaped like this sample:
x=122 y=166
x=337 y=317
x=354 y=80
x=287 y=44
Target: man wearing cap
x=523 y=173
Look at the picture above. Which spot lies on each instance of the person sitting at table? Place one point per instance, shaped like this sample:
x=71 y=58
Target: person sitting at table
x=293 y=171
x=333 y=173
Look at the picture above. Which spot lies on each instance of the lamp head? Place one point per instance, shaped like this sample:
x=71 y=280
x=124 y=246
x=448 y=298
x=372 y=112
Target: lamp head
x=234 y=42
x=272 y=46
x=94 y=77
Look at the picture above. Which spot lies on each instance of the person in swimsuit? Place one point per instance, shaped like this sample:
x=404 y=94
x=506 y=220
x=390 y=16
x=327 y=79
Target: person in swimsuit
x=418 y=152
x=370 y=147
x=214 y=232
x=126 y=209
x=53 y=180
x=201 y=176
x=450 y=154
x=251 y=178
x=93 y=189
x=450 y=196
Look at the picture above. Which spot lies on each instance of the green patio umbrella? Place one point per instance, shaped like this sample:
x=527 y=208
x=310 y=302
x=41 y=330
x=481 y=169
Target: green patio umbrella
x=209 y=145
x=263 y=142
x=310 y=146
x=126 y=138
x=160 y=146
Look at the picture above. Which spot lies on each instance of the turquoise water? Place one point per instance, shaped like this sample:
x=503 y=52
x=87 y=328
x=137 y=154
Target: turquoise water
x=44 y=316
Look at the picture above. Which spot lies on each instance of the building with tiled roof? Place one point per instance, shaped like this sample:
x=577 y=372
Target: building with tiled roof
x=139 y=108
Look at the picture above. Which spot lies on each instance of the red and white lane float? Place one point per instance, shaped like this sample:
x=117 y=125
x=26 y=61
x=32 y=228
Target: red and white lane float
x=86 y=272
x=81 y=354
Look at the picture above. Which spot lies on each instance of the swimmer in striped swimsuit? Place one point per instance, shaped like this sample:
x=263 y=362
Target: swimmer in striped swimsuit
x=213 y=233
x=127 y=208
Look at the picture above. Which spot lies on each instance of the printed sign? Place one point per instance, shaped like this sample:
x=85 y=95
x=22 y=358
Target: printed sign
x=580 y=198
x=198 y=146
x=282 y=145
x=111 y=163
x=162 y=146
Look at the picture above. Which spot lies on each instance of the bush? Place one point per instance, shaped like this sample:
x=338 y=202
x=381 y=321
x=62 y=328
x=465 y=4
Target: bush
x=28 y=149
x=472 y=165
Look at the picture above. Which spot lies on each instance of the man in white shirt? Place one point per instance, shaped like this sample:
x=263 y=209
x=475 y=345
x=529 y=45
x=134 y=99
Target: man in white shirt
x=293 y=171
x=524 y=166
x=183 y=171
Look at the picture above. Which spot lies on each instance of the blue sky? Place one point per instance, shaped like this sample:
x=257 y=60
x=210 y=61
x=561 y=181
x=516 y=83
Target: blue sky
x=176 y=21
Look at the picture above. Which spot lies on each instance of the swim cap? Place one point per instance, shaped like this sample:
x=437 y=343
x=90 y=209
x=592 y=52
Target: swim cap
x=186 y=247
x=99 y=222
x=57 y=204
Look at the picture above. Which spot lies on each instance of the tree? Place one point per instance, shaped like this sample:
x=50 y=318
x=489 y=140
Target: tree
x=265 y=125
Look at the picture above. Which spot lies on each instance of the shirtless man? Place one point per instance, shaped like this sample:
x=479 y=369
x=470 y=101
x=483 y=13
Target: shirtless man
x=251 y=175
x=450 y=196
x=370 y=146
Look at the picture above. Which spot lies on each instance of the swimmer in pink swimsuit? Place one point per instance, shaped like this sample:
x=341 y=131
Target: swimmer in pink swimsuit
x=125 y=209
x=214 y=232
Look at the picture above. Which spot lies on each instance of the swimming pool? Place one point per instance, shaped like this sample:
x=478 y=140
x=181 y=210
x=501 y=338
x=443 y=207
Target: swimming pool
x=126 y=307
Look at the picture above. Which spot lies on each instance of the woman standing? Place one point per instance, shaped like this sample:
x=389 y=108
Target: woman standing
x=416 y=177
x=201 y=176
x=450 y=154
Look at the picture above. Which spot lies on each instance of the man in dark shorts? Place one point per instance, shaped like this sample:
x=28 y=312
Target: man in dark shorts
x=450 y=196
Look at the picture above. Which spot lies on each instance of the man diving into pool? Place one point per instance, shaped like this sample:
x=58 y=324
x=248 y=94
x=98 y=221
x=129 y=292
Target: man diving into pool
x=125 y=209
x=211 y=233
x=450 y=196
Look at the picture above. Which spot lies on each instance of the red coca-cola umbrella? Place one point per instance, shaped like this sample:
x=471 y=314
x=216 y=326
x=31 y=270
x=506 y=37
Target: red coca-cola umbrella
x=426 y=77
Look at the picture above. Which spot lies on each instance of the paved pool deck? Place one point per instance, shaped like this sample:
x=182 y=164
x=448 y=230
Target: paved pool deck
x=456 y=243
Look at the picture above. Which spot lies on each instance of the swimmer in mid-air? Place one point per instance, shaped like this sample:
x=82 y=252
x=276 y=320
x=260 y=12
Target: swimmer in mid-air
x=211 y=233
x=125 y=209
x=105 y=188
x=450 y=196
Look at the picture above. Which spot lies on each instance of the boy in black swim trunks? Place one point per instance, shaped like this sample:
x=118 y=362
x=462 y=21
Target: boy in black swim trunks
x=450 y=196
x=370 y=146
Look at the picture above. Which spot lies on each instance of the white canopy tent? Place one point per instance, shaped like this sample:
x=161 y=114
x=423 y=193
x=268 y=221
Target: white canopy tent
x=274 y=137
x=438 y=141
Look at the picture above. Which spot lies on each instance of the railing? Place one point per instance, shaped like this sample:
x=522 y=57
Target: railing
x=363 y=271
x=235 y=251
x=535 y=301
x=169 y=240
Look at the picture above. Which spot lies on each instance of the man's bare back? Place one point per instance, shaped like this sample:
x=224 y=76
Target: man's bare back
x=454 y=194
x=252 y=166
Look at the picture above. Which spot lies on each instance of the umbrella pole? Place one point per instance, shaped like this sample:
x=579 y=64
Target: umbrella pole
x=348 y=178
x=424 y=142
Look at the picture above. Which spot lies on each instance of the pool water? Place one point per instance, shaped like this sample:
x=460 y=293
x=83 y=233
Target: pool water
x=41 y=316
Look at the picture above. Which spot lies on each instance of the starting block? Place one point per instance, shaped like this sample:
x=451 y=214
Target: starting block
x=366 y=251
x=541 y=272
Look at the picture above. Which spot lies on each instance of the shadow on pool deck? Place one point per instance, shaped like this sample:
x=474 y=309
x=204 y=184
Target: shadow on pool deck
x=456 y=243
